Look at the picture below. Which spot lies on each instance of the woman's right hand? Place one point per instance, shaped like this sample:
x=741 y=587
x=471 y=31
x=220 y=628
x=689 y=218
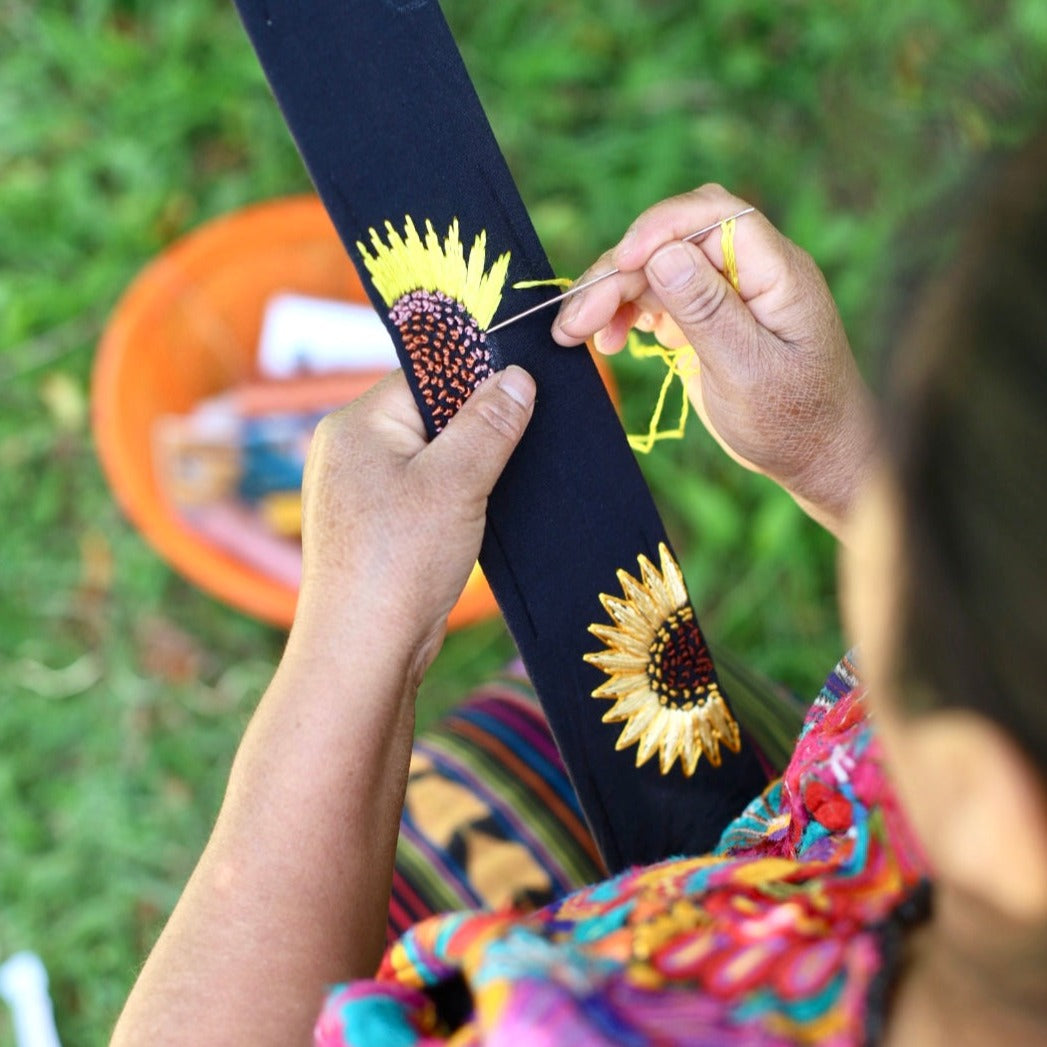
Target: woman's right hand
x=774 y=379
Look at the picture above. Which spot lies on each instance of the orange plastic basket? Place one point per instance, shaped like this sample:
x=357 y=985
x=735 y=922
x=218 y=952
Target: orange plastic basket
x=186 y=329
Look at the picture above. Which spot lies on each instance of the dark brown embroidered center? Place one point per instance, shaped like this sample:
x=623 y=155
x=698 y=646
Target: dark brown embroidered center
x=448 y=353
x=679 y=667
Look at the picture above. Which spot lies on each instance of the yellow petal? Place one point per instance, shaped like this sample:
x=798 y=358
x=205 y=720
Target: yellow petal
x=672 y=578
x=677 y=726
x=617 y=661
x=691 y=751
x=654 y=613
x=637 y=725
x=724 y=727
x=628 y=617
x=651 y=738
x=629 y=704
x=619 y=685
x=620 y=640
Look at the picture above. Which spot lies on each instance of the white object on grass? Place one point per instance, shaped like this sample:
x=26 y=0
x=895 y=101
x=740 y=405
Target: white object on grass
x=23 y=984
x=302 y=334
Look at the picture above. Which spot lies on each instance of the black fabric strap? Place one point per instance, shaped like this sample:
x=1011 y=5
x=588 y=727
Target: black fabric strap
x=389 y=125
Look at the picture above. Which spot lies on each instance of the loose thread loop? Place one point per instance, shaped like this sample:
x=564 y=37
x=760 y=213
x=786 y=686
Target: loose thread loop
x=679 y=363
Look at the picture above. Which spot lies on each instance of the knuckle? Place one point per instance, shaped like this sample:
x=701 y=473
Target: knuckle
x=600 y=265
x=323 y=431
x=712 y=199
x=320 y=443
x=708 y=189
x=503 y=415
x=698 y=303
x=333 y=424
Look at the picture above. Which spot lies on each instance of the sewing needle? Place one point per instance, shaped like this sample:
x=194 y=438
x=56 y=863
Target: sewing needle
x=612 y=272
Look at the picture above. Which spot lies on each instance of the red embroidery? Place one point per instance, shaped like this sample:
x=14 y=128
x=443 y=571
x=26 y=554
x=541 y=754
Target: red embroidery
x=827 y=806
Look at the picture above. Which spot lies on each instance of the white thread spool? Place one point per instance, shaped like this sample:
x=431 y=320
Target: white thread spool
x=23 y=985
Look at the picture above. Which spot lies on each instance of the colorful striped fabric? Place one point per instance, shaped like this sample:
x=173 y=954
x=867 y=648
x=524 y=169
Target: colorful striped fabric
x=785 y=935
x=490 y=818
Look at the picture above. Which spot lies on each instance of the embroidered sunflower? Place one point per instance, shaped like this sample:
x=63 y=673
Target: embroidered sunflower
x=442 y=304
x=662 y=678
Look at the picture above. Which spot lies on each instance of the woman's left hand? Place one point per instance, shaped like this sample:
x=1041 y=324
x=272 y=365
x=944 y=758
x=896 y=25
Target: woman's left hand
x=391 y=522
x=302 y=851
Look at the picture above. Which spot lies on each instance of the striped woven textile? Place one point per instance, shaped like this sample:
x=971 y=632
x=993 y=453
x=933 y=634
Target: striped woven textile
x=490 y=817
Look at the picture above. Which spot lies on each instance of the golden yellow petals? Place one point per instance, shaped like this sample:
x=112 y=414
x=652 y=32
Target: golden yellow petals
x=660 y=675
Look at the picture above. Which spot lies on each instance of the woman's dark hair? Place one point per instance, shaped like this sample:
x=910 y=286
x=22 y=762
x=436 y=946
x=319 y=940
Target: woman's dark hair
x=965 y=423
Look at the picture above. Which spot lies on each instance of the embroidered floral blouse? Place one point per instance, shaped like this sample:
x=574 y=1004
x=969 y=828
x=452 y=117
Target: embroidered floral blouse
x=779 y=937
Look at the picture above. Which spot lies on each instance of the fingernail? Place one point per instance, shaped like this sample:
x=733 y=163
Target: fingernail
x=516 y=382
x=569 y=311
x=673 y=266
x=600 y=339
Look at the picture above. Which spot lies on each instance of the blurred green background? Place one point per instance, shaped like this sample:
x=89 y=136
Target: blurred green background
x=124 y=124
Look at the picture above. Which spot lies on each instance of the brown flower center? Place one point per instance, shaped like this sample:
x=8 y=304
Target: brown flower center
x=679 y=667
x=448 y=353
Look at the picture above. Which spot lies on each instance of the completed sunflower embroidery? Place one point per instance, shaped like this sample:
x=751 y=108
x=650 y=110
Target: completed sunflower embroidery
x=662 y=679
x=442 y=305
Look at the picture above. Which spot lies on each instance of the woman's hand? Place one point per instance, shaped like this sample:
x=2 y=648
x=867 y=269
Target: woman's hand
x=303 y=848
x=774 y=379
x=392 y=523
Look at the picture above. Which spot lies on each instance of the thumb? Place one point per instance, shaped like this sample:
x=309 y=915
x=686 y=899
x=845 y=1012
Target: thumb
x=700 y=300
x=473 y=449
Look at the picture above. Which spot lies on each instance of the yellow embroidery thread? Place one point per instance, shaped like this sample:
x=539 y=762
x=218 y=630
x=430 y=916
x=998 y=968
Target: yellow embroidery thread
x=730 y=263
x=441 y=303
x=556 y=281
x=407 y=264
x=679 y=363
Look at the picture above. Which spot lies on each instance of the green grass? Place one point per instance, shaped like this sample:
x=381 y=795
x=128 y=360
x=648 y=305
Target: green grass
x=124 y=124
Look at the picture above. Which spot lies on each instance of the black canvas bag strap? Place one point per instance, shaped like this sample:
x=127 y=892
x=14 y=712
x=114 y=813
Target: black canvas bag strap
x=391 y=130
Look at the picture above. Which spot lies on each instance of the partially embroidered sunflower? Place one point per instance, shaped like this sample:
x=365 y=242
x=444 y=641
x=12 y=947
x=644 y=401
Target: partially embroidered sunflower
x=662 y=679
x=442 y=305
